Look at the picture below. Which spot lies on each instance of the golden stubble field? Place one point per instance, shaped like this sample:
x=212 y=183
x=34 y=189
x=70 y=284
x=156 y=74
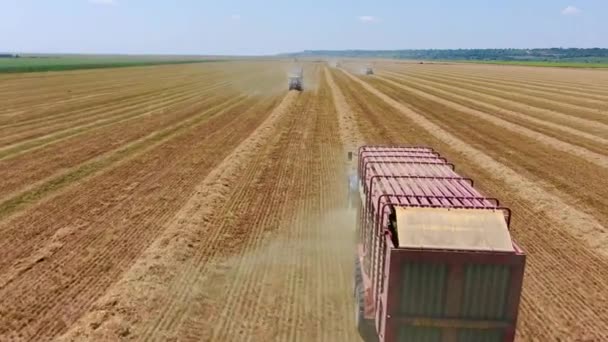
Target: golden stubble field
x=205 y=202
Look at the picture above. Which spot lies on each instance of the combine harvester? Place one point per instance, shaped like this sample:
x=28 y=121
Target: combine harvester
x=369 y=71
x=296 y=80
x=435 y=259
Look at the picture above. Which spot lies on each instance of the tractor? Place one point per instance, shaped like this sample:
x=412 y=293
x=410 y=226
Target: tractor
x=296 y=80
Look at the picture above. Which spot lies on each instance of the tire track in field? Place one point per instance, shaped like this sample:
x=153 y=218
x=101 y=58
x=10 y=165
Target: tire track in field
x=129 y=226
x=123 y=115
x=39 y=110
x=25 y=107
x=72 y=85
x=596 y=158
x=302 y=116
x=583 y=115
x=47 y=151
x=587 y=85
x=119 y=97
x=526 y=114
x=52 y=117
x=566 y=132
x=239 y=203
x=161 y=289
x=98 y=113
x=545 y=90
x=24 y=257
x=578 y=79
x=556 y=304
x=256 y=204
x=297 y=299
x=316 y=311
x=22 y=173
x=505 y=105
x=131 y=107
x=273 y=185
x=517 y=87
x=53 y=183
x=349 y=133
x=58 y=94
x=522 y=154
x=160 y=108
x=580 y=223
x=519 y=153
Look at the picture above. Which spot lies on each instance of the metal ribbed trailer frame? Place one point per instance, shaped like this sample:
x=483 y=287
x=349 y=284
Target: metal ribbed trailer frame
x=397 y=176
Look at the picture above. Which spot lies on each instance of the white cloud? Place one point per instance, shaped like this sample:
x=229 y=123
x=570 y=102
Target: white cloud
x=571 y=10
x=367 y=18
x=235 y=17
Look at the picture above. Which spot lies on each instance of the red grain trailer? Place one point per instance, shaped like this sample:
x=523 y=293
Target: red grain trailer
x=435 y=260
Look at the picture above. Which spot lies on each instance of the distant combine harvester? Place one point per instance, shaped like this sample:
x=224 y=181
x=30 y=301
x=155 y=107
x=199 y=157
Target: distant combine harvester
x=296 y=79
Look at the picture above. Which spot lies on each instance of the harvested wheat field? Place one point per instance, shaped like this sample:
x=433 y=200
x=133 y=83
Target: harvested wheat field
x=205 y=202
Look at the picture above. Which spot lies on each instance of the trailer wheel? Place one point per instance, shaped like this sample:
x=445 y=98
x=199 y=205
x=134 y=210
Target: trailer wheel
x=365 y=327
x=358 y=281
x=359 y=307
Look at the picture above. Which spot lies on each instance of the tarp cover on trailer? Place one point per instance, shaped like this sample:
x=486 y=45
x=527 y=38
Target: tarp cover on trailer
x=454 y=229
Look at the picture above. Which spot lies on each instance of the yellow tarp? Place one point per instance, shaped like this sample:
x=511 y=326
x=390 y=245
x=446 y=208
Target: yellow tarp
x=456 y=229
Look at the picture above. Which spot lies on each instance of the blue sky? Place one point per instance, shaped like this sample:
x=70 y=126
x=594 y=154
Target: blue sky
x=267 y=27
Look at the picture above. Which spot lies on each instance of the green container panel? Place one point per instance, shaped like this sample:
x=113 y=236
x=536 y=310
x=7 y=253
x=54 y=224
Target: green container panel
x=486 y=290
x=423 y=290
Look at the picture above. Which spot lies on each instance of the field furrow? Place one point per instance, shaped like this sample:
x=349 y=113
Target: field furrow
x=90 y=113
x=70 y=93
x=27 y=168
x=109 y=88
x=205 y=202
x=239 y=201
x=268 y=226
x=589 y=113
x=124 y=117
x=523 y=153
x=579 y=123
x=144 y=101
x=197 y=225
x=135 y=224
x=599 y=159
x=64 y=178
x=572 y=134
x=588 y=80
x=545 y=91
x=572 y=91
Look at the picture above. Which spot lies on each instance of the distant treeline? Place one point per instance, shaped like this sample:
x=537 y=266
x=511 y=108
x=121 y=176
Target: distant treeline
x=553 y=54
